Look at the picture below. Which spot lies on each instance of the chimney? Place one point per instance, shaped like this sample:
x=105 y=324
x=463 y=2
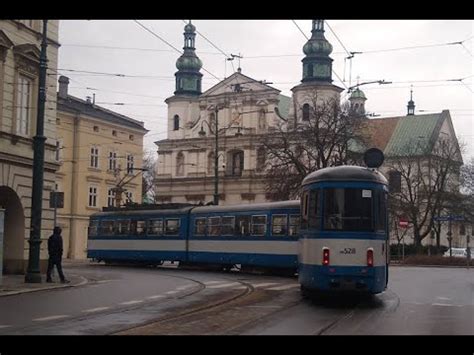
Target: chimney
x=88 y=100
x=63 y=83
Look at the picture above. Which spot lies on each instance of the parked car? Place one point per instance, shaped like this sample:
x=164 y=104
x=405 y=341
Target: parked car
x=458 y=252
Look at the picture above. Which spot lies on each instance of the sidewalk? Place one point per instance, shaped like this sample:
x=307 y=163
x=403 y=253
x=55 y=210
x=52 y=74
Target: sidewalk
x=15 y=284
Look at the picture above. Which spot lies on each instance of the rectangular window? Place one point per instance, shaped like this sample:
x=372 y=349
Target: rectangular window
x=381 y=207
x=214 y=226
x=279 y=224
x=58 y=150
x=111 y=198
x=259 y=225
x=228 y=224
x=129 y=197
x=155 y=227
x=112 y=160
x=304 y=210
x=294 y=228
x=200 y=226
x=172 y=226
x=129 y=164
x=23 y=104
x=137 y=227
x=94 y=157
x=242 y=226
x=122 y=227
x=348 y=210
x=92 y=196
x=93 y=227
x=106 y=227
x=314 y=215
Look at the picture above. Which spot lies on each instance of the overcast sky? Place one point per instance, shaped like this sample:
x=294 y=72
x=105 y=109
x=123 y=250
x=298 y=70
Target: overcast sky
x=272 y=51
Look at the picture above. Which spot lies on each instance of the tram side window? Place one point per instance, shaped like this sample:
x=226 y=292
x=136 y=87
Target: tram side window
x=314 y=215
x=93 y=228
x=214 y=226
x=304 y=210
x=381 y=207
x=228 y=224
x=155 y=227
x=242 y=226
x=348 y=209
x=259 y=225
x=106 y=227
x=137 y=227
x=123 y=227
x=172 y=226
x=200 y=226
x=279 y=224
x=294 y=225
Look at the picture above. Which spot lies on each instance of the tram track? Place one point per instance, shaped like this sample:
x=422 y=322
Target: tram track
x=217 y=304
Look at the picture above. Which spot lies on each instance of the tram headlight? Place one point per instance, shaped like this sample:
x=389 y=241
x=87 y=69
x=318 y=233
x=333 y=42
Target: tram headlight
x=370 y=257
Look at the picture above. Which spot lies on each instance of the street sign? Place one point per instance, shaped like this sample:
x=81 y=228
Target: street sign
x=56 y=199
x=448 y=218
x=403 y=223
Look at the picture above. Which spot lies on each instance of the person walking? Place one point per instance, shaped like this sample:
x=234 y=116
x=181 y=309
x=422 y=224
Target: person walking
x=55 y=251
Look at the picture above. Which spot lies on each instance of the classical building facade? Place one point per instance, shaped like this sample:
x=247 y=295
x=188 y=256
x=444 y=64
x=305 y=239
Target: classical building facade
x=245 y=110
x=98 y=150
x=19 y=74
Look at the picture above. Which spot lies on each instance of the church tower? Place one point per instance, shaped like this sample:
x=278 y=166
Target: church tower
x=183 y=107
x=316 y=85
x=188 y=77
x=411 y=105
x=357 y=101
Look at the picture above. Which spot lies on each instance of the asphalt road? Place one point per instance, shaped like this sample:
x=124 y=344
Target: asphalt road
x=419 y=300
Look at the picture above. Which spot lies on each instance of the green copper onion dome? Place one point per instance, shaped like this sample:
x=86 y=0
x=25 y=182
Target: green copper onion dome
x=358 y=94
x=188 y=77
x=317 y=65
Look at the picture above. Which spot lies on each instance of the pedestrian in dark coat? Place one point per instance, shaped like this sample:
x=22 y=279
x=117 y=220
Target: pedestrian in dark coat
x=55 y=250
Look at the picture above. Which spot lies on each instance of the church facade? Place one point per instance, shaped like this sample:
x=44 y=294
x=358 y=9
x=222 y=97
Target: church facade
x=242 y=111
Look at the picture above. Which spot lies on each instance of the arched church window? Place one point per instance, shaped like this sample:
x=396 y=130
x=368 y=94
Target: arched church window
x=236 y=159
x=210 y=163
x=262 y=119
x=261 y=159
x=306 y=112
x=180 y=164
x=176 y=122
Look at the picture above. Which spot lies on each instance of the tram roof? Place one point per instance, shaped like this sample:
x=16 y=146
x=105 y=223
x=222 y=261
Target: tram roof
x=345 y=173
x=151 y=211
x=249 y=207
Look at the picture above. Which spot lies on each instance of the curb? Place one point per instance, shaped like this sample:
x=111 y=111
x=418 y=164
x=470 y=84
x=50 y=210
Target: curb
x=83 y=282
x=441 y=266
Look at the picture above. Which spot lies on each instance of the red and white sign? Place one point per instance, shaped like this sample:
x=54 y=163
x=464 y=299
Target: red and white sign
x=403 y=223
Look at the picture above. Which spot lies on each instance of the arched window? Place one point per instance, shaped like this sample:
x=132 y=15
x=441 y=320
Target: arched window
x=310 y=70
x=306 y=112
x=176 y=122
x=180 y=164
x=235 y=158
x=262 y=119
x=210 y=163
x=261 y=159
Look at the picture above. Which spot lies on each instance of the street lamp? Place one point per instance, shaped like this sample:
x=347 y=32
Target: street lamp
x=202 y=133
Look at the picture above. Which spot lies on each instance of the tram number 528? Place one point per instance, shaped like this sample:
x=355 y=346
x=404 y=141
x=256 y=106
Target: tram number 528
x=348 y=251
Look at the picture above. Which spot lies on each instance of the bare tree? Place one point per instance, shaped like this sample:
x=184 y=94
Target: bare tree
x=149 y=175
x=429 y=182
x=321 y=139
x=467 y=177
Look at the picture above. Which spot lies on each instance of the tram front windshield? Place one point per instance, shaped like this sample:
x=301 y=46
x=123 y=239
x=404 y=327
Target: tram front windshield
x=348 y=209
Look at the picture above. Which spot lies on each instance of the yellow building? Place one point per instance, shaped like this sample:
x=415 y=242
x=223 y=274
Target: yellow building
x=96 y=149
x=20 y=42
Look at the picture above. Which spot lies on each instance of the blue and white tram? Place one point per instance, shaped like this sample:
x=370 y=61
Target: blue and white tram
x=150 y=236
x=344 y=232
x=253 y=235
